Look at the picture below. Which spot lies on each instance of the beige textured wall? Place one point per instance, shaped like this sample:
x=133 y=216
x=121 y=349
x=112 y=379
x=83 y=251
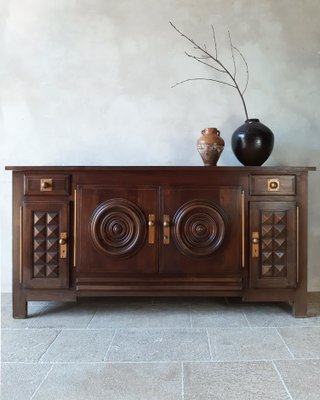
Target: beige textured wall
x=87 y=82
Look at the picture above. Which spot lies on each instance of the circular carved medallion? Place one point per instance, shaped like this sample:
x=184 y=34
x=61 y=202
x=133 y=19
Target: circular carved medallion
x=117 y=227
x=199 y=228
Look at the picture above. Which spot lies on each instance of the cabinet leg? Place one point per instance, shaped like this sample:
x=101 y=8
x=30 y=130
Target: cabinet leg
x=300 y=307
x=19 y=306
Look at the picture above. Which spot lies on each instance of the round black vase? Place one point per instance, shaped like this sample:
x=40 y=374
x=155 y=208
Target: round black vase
x=252 y=143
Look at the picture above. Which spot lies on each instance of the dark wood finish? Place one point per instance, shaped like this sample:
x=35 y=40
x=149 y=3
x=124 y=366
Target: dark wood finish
x=285 y=185
x=112 y=234
x=276 y=225
x=205 y=231
x=43 y=222
x=209 y=213
x=60 y=184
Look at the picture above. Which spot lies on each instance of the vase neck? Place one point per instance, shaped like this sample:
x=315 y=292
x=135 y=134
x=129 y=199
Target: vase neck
x=249 y=121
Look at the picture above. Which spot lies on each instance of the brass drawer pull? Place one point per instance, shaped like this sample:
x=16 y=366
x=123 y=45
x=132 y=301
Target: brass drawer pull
x=166 y=229
x=273 y=185
x=151 y=228
x=46 y=185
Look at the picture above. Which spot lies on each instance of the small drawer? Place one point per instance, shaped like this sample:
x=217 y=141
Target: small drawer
x=273 y=185
x=47 y=185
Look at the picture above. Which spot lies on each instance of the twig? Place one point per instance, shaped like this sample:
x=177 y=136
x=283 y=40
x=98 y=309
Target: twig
x=214 y=40
x=199 y=59
x=202 y=79
x=207 y=56
x=232 y=53
x=247 y=69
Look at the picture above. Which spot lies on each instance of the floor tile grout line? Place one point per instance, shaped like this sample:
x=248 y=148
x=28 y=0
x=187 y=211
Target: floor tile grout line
x=246 y=318
x=39 y=361
x=110 y=344
x=34 y=328
x=190 y=316
x=282 y=381
x=94 y=314
x=248 y=361
x=209 y=345
x=284 y=342
x=41 y=383
x=182 y=382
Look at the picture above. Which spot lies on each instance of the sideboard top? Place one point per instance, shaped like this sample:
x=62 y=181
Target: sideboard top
x=267 y=170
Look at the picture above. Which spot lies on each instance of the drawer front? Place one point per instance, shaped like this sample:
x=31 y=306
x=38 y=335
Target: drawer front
x=47 y=185
x=273 y=185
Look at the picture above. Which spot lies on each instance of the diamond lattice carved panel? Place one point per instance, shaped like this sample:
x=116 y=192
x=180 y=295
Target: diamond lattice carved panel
x=273 y=243
x=45 y=244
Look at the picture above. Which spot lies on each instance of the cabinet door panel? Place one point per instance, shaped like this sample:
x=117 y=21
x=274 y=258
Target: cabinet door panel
x=273 y=228
x=113 y=230
x=205 y=231
x=43 y=264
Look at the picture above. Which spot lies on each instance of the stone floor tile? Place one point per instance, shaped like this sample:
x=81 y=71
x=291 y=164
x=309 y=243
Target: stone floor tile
x=159 y=345
x=26 y=345
x=275 y=315
x=217 y=316
x=7 y=321
x=302 y=342
x=64 y=315
x=79 y=345
x=302 y=378
x=141 y=316
x=232 y=381
x=232 y=344
x=19 y=380
x=112 y=382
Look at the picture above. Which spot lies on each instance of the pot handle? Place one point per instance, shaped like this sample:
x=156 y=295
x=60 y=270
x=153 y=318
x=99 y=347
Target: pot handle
x=218 y=132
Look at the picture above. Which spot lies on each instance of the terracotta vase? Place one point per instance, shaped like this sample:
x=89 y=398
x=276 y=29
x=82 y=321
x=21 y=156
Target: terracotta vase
x=210 y=145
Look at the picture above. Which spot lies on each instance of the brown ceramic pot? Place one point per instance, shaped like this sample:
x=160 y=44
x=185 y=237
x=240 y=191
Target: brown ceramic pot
x=210 y=145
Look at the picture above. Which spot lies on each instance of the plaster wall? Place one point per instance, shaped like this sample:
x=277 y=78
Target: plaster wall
x=88 y=82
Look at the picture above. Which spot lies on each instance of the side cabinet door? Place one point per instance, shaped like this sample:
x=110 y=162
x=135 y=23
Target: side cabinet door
x=44 y=260
x=273 y=247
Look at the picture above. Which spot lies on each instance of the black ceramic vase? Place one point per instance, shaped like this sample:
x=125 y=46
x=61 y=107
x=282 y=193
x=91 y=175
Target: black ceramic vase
x=252 y=143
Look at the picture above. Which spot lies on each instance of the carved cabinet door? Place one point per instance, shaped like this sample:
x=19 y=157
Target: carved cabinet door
x=273 y=248
x=201 y=231
x=117 y=230
x=45 y=250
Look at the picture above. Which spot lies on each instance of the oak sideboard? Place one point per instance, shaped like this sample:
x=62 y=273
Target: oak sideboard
x=160 y=231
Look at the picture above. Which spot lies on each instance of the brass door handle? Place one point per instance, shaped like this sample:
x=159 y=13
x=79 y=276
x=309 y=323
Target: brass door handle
x=63 y=244
x=255 y=244
x=166 y=229
x=151 y=228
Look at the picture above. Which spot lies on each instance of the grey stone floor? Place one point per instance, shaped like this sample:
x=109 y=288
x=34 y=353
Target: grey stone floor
x=160 y=348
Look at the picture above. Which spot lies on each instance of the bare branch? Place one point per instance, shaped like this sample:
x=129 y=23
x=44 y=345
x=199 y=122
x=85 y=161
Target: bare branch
x=214 y=40
x=206 y=56
x=202 y=62
x=232 y=53
x=202 y=79
x=247 y=68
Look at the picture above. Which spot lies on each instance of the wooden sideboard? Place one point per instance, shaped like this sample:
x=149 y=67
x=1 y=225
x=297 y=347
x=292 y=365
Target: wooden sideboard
x=160 y=231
